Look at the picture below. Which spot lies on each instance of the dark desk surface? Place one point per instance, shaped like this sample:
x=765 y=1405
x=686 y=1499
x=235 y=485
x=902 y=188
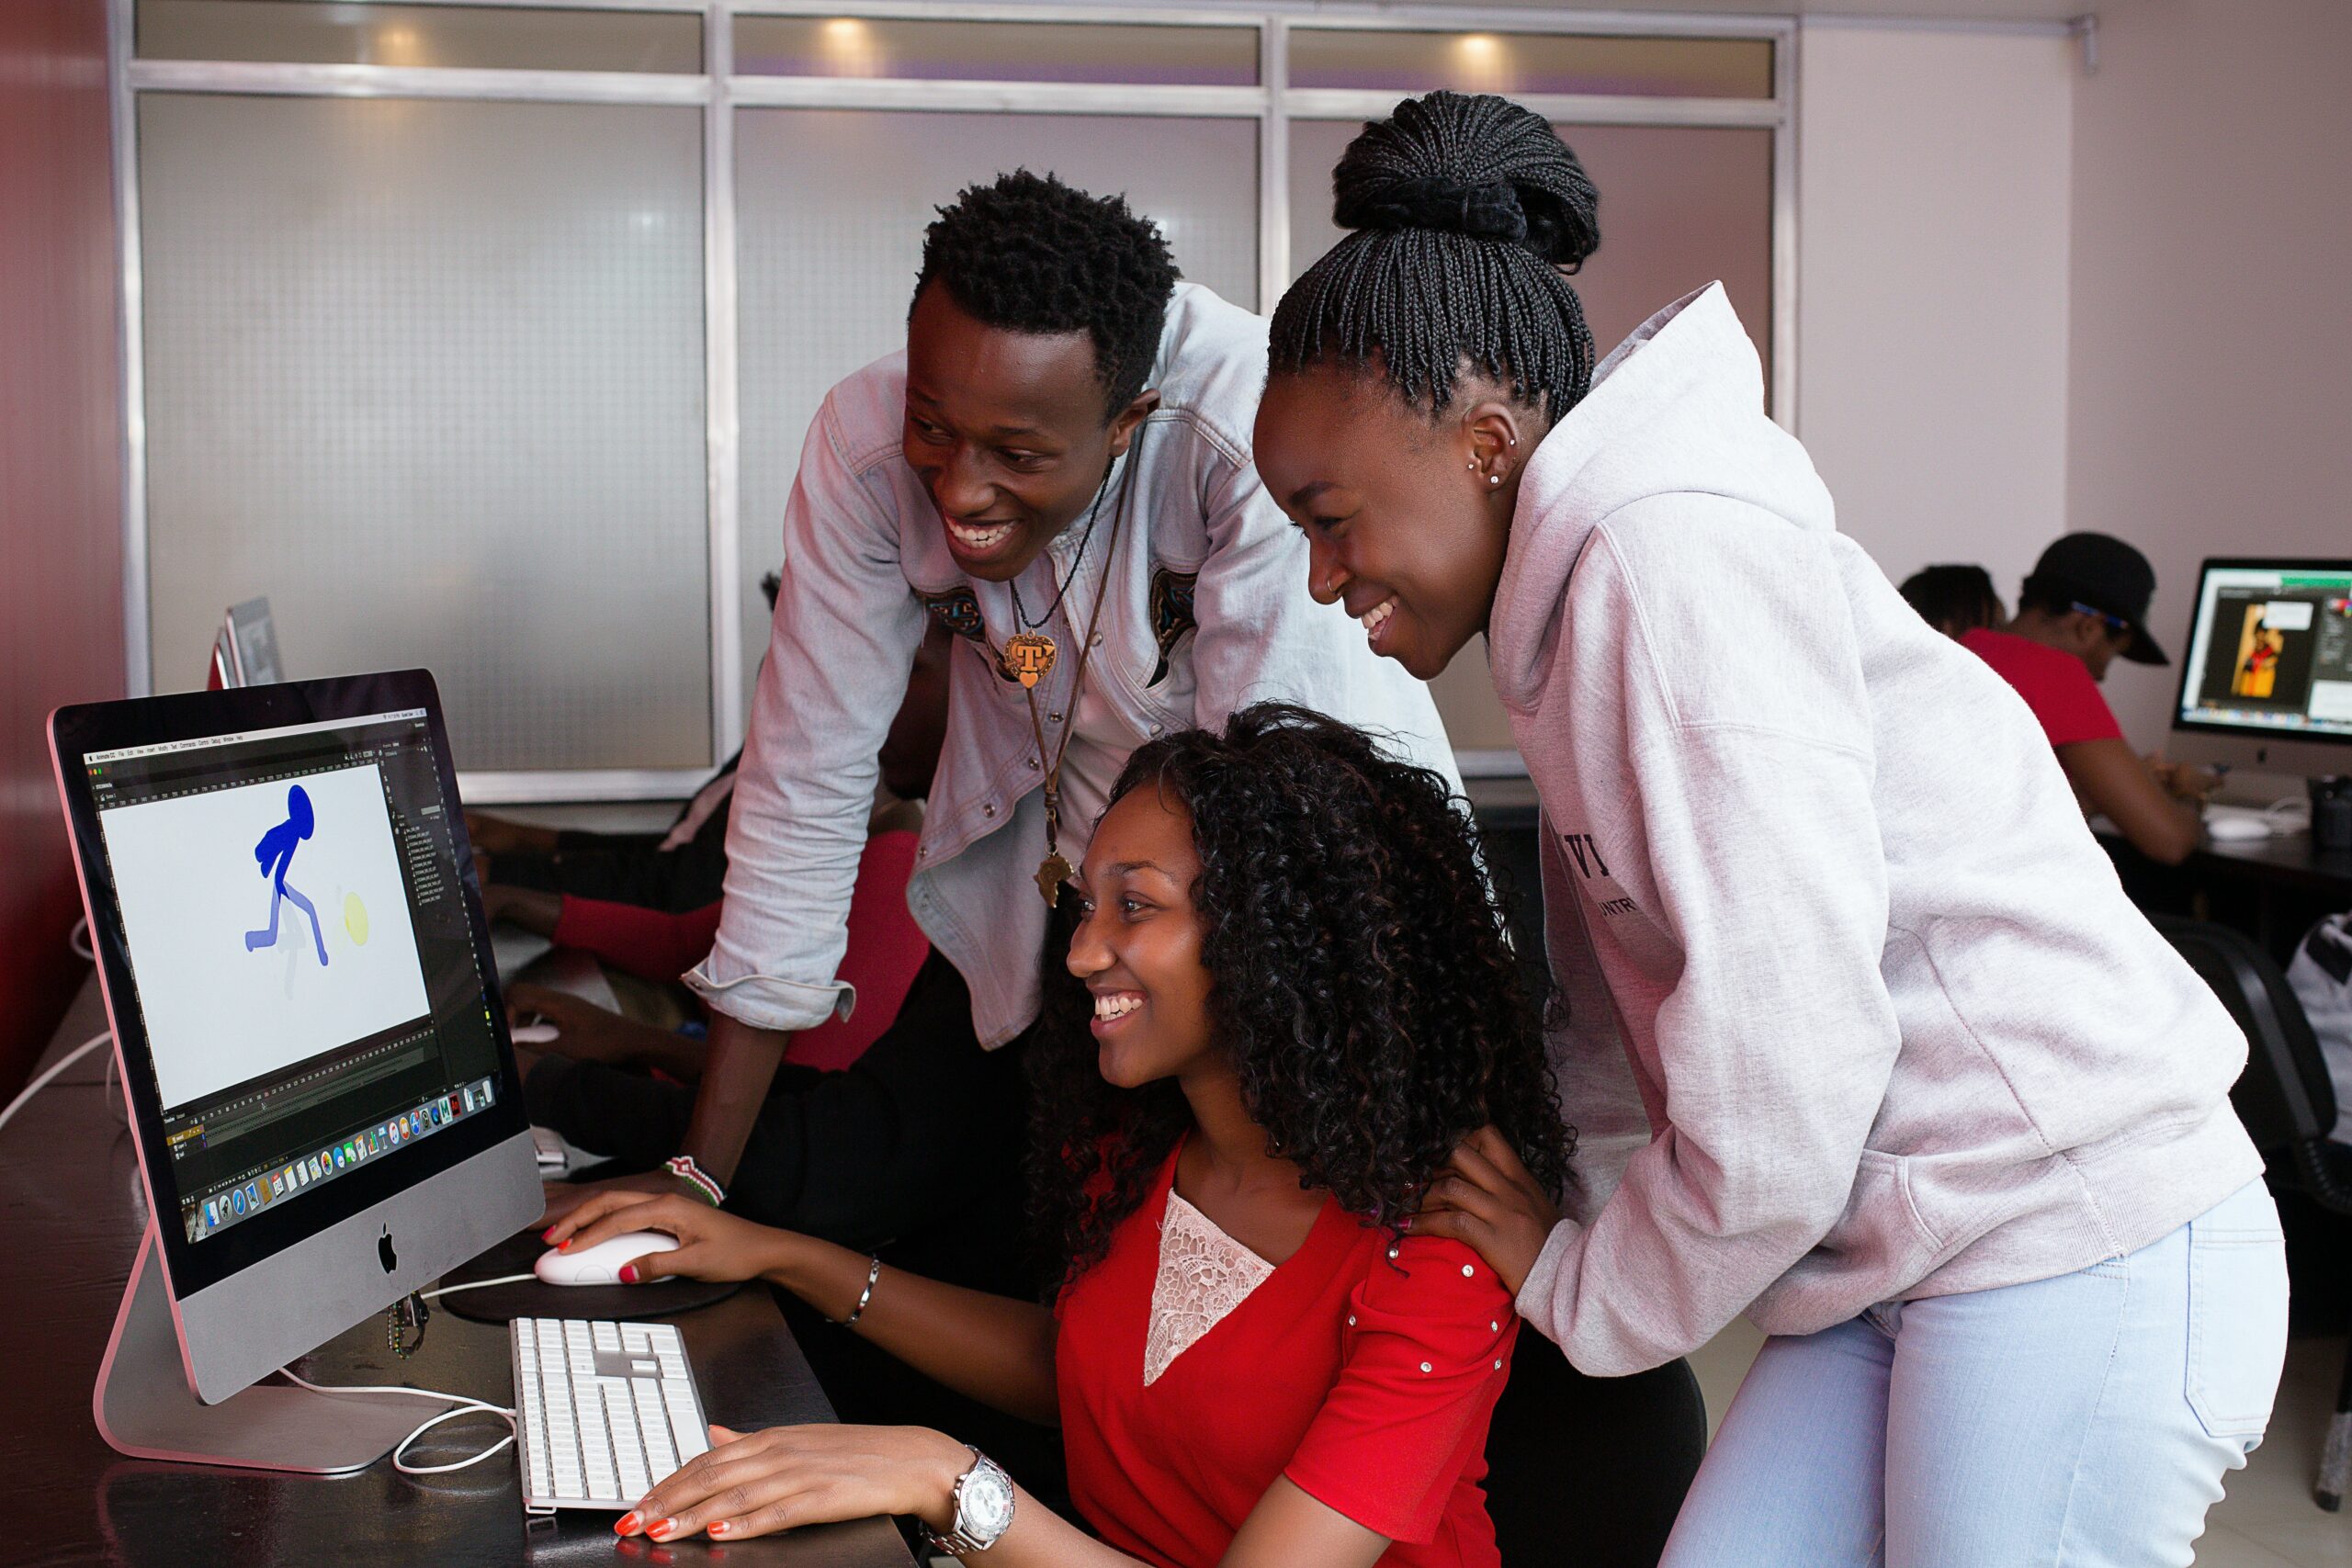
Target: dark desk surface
x=2291 y=860
x=72 y=1213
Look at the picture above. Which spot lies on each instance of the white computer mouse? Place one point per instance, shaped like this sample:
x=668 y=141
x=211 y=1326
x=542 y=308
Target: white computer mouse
x=540 y=1033
x=2235 y=829
x=601 y=1264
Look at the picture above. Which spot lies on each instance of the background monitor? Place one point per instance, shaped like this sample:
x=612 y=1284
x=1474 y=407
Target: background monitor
x=290 y=941
x=245 y=651
x=2268 y=664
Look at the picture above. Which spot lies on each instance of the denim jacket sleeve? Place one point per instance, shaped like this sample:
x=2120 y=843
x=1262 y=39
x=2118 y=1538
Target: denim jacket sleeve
x=842 y=645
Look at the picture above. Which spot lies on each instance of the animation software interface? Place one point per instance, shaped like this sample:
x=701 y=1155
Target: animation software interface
x=2272 y=650
x=303 y=966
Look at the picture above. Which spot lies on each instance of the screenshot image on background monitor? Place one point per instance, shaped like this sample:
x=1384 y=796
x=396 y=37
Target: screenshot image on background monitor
x=2272 y=650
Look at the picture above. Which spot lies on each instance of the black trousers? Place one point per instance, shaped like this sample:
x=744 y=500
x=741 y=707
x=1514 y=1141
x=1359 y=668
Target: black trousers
x=1589 y=1471
x=626 y=868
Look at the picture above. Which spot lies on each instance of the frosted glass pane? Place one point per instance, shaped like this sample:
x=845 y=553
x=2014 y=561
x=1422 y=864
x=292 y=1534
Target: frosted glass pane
x=429 y=376
x=831 y=208
x=994 y=51
x=479 y=37
x=1680 y=206
x=1512 y=64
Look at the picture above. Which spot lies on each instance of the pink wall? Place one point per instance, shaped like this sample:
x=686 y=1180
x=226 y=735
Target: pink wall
x=2210 y=397
x=61 y=539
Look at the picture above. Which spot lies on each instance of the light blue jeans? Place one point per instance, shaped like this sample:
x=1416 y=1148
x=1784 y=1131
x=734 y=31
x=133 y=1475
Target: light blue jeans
x=2080 y=1422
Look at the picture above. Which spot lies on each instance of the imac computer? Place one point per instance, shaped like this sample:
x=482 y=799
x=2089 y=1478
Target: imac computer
x=322 y=1091
x=244 y=653
x=2267 y=676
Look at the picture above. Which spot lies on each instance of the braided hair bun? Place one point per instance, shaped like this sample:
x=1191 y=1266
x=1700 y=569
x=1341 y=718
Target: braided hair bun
x=1480 y=167
x=1466 y=212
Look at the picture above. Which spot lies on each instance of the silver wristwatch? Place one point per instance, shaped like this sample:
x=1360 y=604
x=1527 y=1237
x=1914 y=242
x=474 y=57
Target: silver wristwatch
x=983 y=1509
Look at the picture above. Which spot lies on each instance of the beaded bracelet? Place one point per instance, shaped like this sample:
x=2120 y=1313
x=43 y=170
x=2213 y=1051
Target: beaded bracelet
x=685 y=1168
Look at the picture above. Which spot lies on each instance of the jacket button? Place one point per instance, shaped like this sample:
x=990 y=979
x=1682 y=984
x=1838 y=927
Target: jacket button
x=1032 y=762
x=1351 y=1320
x=1466 y=1272
x=1053 y=718
x=1426 y=1366
x=1098 y=641
x=988 y=808
x=1156 y=728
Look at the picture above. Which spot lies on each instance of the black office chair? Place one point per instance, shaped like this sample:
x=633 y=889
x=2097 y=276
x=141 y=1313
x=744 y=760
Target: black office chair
x=2288 y=1104
x=1589 y=1471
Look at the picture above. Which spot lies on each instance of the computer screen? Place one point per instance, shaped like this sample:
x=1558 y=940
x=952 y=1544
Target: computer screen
x=2270 y=651
x=303 y=966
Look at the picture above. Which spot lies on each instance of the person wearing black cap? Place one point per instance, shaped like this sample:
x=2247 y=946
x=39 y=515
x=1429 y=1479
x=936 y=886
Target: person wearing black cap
x=2084 y=606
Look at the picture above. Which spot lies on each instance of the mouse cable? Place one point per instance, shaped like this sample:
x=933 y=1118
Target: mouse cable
x=464 y=1404
x=56 y=1067
x=478 y=1285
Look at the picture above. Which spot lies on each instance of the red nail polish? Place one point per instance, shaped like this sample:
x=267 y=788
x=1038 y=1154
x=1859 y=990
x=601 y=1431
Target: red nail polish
x=629 y=1273
x=718 y=1527
x=547 y=1234
x=660 y=1528
x=625 y=1525
x=564 y=1245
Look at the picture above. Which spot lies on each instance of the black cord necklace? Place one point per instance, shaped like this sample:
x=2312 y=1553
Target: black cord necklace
x=1029 y=653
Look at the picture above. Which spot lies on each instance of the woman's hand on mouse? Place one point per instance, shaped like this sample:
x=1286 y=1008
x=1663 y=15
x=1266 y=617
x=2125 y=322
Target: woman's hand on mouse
x=711 y=1245
x=758 y=1482
x=1486 y=1198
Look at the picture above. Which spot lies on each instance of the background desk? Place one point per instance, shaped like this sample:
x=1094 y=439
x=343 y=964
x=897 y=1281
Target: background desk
x=2271 y=889
x=72 y=1212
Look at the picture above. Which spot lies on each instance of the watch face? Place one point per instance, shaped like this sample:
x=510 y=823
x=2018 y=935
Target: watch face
x=986 y=1504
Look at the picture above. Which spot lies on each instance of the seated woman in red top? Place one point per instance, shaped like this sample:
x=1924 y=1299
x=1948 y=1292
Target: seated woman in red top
x=1301 y=997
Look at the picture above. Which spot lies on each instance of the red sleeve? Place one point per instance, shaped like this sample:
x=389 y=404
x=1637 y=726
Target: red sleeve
x=885 y=950
x=652 y=945
x=1423 y=1359
x=2056 y=685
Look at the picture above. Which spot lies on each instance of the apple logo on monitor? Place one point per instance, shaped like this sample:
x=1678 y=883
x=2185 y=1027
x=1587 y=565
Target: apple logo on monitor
x=384 y=1252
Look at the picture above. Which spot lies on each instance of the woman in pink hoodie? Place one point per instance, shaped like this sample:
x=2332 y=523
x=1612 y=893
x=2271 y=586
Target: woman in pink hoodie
x=1874 y=1049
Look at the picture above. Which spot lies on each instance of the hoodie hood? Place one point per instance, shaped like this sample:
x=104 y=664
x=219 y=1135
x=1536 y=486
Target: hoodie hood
x=1676 y=408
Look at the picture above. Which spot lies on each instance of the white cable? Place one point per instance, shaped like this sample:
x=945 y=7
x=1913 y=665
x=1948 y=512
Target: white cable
x=480 y=1285
x=62 y=1063
x=78 y=939
x=464 y=1404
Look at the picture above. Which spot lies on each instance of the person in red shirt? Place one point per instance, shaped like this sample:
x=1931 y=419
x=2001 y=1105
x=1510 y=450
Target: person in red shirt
x=2082 y=607
x=1301 y=995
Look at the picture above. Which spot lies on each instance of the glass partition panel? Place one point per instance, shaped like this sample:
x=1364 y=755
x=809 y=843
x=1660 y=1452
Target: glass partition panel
x=1516 y=64
x=429 y=374
x=831 y=208
x=1681 y=207
x=994 y=51
x=479 y=37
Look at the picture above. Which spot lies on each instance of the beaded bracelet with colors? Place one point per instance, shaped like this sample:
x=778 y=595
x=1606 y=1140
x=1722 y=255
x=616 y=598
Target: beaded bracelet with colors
x=685 y=1168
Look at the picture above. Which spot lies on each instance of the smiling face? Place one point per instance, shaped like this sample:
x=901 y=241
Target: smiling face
x=1137 y=945
x=1007 y=431
x=1406 y=518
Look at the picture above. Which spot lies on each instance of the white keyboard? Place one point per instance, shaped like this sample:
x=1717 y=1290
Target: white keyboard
x=602 y=1411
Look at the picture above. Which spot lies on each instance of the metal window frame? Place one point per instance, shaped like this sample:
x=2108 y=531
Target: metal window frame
x=719 y=92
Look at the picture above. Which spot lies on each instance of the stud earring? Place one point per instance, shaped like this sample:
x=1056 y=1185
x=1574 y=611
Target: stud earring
x=1494 y=479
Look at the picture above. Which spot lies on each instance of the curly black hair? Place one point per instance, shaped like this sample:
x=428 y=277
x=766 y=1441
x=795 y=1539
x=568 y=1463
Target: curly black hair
x=1031 y=254
x=1360 y=974
x=1466 y=212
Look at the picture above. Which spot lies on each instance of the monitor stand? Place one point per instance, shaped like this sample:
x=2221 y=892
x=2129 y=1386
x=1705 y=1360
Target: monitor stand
x=145 y=1408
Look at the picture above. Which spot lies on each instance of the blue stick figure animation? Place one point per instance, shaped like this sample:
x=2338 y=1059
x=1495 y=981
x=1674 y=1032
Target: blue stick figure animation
x=276 y=852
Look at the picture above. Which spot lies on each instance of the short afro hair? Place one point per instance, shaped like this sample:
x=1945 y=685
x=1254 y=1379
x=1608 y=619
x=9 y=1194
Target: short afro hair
x=1031 y=254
